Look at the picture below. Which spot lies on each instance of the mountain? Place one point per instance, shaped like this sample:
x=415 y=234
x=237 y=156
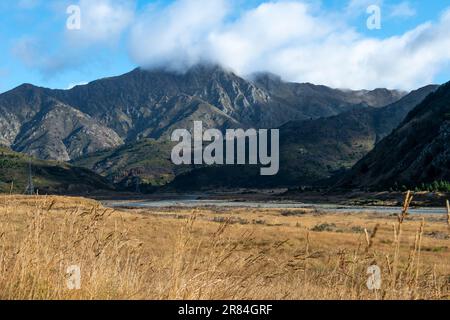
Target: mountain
x=107 y=113
x=310 y=151
x=321 y=101
x=147 y=159
x=313 y=151
x=34 y=122
x=417 y=152
x=48 y=176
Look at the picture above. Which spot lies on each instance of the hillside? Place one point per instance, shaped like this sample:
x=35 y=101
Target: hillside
x=48 y=176
x=313 y=151
x=310 y=151
x=148 y=160
x=417 y=152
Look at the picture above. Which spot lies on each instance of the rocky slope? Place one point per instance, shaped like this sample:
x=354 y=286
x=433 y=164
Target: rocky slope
x=310 y=151
x=313 y=151
x=417 y=152
x=33 y=121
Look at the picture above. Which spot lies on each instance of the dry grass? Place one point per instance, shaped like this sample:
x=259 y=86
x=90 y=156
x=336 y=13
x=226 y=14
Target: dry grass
x=216 y=253
x=448 y=215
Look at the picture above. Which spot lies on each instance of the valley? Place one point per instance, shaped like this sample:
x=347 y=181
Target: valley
x=120 y=129
x=142 y=227
x=233 y=151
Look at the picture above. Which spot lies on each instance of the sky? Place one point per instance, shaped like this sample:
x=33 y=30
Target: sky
x=353 y=44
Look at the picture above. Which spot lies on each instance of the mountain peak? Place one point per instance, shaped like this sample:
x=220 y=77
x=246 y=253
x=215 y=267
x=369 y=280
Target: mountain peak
x=198 y=69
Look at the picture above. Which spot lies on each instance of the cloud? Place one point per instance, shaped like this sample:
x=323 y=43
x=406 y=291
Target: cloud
x=299 y=40
x=103 y=23
x=403 y=10
x=34 y=54
x=37 y=54
x=73 y=85
x=292 y=39
x=359 y=7
x=176 y=36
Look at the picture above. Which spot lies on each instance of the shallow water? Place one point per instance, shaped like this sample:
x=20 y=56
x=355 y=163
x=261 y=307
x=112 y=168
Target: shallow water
x=326 y=208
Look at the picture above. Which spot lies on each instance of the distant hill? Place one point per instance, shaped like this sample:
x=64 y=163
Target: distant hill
x=104 y=114
x=148 y=159
x=417 y=152
x=48 y=176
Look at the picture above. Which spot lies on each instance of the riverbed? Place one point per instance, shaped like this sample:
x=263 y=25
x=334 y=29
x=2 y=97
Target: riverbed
x=324 y=208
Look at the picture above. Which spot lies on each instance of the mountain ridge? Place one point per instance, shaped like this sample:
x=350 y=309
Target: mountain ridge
x=150 y=104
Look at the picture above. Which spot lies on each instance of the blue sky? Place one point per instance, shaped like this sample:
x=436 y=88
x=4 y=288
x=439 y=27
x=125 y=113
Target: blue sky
x=324 y=42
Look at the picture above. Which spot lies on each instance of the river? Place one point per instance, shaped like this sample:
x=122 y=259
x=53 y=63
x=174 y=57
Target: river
x=325 y=208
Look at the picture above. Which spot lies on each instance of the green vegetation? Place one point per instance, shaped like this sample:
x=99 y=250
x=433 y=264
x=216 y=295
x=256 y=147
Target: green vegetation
x=147 y=160
x=436 y=186
x=48 y=176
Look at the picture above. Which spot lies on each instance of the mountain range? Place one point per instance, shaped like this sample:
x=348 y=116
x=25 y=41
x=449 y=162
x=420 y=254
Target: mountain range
x=68 y=124
x=312 y=152
x=119 y=127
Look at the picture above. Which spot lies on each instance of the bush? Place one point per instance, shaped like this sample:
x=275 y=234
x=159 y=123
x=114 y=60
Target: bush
x=436 y=186
x=328 y=227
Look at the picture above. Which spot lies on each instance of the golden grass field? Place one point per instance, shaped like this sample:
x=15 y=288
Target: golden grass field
x=216 y=253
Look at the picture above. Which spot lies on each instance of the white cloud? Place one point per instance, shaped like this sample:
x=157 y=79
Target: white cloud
x=102 y=21
x=299 y=40
x=176 y=36
x=291 y=39
x=73 y=85
x=403 y=10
